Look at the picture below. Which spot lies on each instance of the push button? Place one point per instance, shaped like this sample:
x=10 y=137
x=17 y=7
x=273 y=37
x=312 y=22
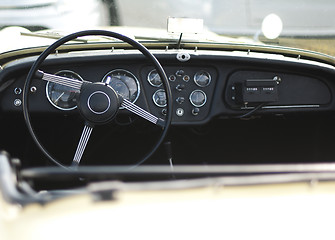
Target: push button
x=180 y=112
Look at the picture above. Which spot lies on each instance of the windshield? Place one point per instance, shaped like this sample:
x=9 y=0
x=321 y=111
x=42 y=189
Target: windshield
x=303 y=24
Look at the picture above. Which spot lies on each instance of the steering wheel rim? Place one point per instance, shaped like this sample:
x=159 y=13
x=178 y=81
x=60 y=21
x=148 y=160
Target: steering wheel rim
x=35 y=67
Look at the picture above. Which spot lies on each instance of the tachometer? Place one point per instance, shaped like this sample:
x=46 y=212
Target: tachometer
x=60 y=96
x=124 y=83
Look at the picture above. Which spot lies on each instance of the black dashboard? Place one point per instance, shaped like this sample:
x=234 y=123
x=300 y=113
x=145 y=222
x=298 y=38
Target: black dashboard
x=203 y=86
x=210 y=90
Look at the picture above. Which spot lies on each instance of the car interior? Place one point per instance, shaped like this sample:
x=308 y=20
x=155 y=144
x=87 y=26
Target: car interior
x=228 y=107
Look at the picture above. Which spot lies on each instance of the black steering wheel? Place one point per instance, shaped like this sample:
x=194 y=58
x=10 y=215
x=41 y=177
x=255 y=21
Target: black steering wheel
x=98 y=102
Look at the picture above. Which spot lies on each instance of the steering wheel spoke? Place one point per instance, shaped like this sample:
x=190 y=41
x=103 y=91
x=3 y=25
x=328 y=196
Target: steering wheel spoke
x=85 y=136
x=68 y=82
x=142 y=113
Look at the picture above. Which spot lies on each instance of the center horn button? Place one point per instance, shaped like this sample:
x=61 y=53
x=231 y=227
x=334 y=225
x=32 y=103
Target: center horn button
x=98 y=103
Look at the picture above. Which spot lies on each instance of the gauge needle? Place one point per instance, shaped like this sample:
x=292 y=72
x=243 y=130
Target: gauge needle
x=155 y=76
x=56 y=101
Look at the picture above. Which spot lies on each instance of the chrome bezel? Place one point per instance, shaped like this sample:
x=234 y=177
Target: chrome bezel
x=47 y=92
x=89 y=105
x=199 y=72
x=171 y=77
x=153 y=98
x=195 y=105
x=148 y=78
x=130 y=73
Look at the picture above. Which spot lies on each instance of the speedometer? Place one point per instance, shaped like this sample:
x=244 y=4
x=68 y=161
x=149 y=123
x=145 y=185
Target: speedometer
x=124 y=83
x=60 y=96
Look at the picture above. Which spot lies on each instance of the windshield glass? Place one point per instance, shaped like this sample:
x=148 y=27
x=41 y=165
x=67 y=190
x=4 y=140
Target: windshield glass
x=304 y=24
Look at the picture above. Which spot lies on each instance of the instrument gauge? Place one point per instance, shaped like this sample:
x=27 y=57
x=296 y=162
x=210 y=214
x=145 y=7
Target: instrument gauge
x=198 y=98
x=124 y=83
x=60 y=96
x=159 y=98
x=154 y=79
x=202 y=78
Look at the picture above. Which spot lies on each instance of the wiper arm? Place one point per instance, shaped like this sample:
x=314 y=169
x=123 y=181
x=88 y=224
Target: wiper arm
x=50 y=35
x=56 y=36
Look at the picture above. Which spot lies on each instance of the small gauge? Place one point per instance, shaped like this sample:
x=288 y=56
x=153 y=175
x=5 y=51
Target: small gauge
x=60 y=96
x=202 y=78
x=198 y=98
x=154 y=79
x=159 y=98
x=124 y=83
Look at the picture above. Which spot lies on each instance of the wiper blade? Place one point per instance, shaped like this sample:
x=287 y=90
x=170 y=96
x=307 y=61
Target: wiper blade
x=57 y=35
x=50 y=35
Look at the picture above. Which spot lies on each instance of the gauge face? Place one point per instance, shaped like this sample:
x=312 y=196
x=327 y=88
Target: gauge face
x=159 y=98
x=60 y=96
x=198 y=98
x=124 y=83
x=202 y=78
x=154 y=79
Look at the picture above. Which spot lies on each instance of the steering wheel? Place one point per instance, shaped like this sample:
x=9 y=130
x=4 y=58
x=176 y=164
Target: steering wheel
x=98 y=102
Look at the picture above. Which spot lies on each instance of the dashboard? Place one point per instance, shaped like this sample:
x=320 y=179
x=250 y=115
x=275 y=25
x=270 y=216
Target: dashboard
x=204 y=85
x=227 y=107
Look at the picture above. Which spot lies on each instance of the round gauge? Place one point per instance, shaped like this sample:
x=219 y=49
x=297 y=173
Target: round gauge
x=159 y=98
x=198 y=98
x=154 y=79
x=124 y=83
x=60 y=96
x=202 y=78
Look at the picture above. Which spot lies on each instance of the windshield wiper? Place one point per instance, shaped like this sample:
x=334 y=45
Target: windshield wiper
x=57 y=35
x=50 y=35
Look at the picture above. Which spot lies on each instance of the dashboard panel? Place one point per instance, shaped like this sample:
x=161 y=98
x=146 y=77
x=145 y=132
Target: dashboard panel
x=203 y=87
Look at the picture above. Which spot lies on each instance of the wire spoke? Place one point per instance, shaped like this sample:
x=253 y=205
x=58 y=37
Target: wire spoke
x=85 y=136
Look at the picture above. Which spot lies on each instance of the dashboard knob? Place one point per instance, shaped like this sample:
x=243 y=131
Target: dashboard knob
x=180 y=100
x=180 y=87
x=180 y=73
x=195 y=111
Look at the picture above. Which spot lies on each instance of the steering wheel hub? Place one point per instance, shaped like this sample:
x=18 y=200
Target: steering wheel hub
x=98 y=103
